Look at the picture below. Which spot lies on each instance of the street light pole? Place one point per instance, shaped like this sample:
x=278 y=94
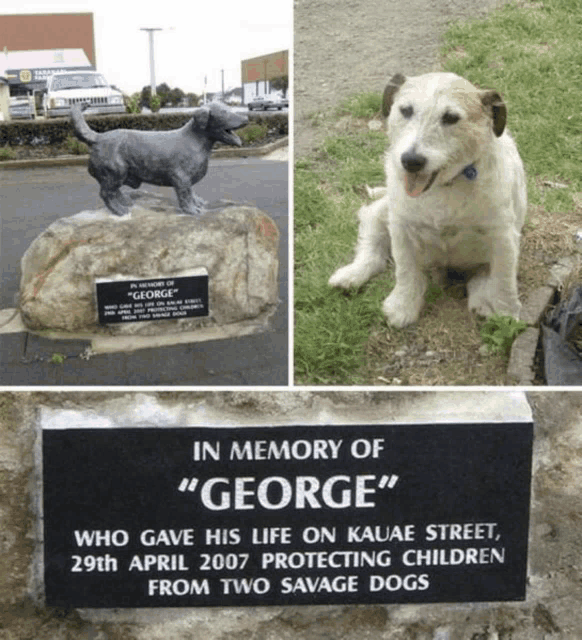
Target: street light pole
x=152 y=63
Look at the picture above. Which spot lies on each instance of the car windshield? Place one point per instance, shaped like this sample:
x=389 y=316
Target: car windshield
x=78 y=81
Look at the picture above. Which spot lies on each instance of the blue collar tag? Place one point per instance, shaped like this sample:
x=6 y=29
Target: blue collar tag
x=470 y=172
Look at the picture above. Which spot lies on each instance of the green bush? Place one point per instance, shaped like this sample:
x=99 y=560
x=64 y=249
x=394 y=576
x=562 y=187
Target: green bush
x=253 y=132
x=6 y=153
x=75 y=146
x=155 y=103
x=132 y=103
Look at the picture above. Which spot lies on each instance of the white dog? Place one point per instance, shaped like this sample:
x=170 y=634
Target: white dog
x=455 y=197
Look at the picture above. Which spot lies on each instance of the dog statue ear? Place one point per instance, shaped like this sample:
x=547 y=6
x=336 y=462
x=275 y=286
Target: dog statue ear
x=390 y=91
x=493 y=101
x=201 y=116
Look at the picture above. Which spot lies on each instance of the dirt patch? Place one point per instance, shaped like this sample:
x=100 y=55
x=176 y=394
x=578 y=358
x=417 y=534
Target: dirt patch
x=445 y=346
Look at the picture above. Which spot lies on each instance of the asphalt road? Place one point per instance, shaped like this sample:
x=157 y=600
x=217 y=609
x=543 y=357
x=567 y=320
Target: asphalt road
x=31 y=199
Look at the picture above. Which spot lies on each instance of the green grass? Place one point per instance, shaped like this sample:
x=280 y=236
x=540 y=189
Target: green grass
x=533 y=57
x=363 y=105
x=535 y=62
x=331 y=327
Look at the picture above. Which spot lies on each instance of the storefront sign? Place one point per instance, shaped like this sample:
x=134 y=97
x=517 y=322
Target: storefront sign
x=40 y=75
x=150 y=517
x=152 y=299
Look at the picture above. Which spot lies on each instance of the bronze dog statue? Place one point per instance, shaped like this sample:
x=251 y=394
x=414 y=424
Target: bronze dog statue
x=177 y=158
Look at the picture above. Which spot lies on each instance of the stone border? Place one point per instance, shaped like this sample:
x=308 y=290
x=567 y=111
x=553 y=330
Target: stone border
x=63 y=161
x=520 y=369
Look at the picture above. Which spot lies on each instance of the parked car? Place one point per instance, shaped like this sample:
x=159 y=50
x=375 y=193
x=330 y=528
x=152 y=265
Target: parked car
x=260 y=103
x=22 y=107
x=281 y=102
x=80 y=87
x=267 y=102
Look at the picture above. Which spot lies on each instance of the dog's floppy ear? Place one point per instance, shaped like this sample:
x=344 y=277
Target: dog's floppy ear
x=201 y=116
x=390 y=91
x=494 y=102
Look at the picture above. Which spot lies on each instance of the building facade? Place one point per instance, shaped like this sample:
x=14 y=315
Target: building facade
x=257 y=74
x=36 y=45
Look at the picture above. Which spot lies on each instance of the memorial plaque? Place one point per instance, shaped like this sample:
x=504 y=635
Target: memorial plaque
x=150 y=517
x=139 y=300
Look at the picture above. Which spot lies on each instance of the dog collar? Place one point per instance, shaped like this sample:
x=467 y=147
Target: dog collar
x=470 y=172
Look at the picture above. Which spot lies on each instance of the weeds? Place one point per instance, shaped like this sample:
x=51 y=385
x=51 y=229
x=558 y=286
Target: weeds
x=253 y=132
x=75 y=146
x=6 y=153
x=498 y=333
x=132 y=103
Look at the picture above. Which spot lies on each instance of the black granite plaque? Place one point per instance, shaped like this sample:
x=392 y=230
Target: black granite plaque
x=143 y=300
x=172 y=517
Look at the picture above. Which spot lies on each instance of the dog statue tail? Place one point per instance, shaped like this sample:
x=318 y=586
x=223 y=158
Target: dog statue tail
x=80 y=127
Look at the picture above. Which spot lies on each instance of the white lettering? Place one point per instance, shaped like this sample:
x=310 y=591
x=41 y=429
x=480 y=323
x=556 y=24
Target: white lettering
x=178 y=587
x=325 y=584
x=275 y=492
x=167 y=537
x=466 y=531
x=285 y=450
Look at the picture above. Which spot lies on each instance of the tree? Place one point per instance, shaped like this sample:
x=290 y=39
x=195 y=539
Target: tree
x=163 y=91
x=281 y=83
x=193 y=99
x=175 y=97
x=166 y=97
x=146 y=94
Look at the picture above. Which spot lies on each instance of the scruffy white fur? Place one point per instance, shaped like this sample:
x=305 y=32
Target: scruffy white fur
x=433 y=214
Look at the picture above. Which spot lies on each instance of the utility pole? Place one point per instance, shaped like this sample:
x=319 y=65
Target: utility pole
x=152 y=63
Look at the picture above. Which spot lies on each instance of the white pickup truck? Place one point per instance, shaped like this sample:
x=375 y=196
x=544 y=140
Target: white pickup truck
x=80 y=87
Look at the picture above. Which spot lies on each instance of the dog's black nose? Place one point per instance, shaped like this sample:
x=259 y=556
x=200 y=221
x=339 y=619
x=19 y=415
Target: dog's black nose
x=413 y=162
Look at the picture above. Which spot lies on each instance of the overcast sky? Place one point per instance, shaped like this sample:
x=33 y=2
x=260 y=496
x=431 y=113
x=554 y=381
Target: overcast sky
x=199 y=38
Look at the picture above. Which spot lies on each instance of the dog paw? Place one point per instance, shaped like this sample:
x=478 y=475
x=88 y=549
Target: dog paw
x=401 y=311
x=486 y=307
x=118 y=210
x=349 y=276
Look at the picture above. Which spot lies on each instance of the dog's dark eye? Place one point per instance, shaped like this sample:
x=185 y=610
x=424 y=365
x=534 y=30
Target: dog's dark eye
x=406 y=112
x=450 y=118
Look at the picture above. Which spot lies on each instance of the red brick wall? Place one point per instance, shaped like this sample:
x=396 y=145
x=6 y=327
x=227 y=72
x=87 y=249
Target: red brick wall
x=48 y=31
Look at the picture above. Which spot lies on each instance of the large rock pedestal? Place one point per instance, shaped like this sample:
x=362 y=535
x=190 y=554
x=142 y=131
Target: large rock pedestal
x=238 y=245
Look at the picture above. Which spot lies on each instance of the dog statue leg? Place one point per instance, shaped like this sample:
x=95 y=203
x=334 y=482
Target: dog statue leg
x=189 y=202
x=198 y=201
x=110 y=183
x=114 y=201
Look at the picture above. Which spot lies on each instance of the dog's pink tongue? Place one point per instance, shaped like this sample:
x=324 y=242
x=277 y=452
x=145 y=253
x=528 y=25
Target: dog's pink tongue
x=415 y=184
